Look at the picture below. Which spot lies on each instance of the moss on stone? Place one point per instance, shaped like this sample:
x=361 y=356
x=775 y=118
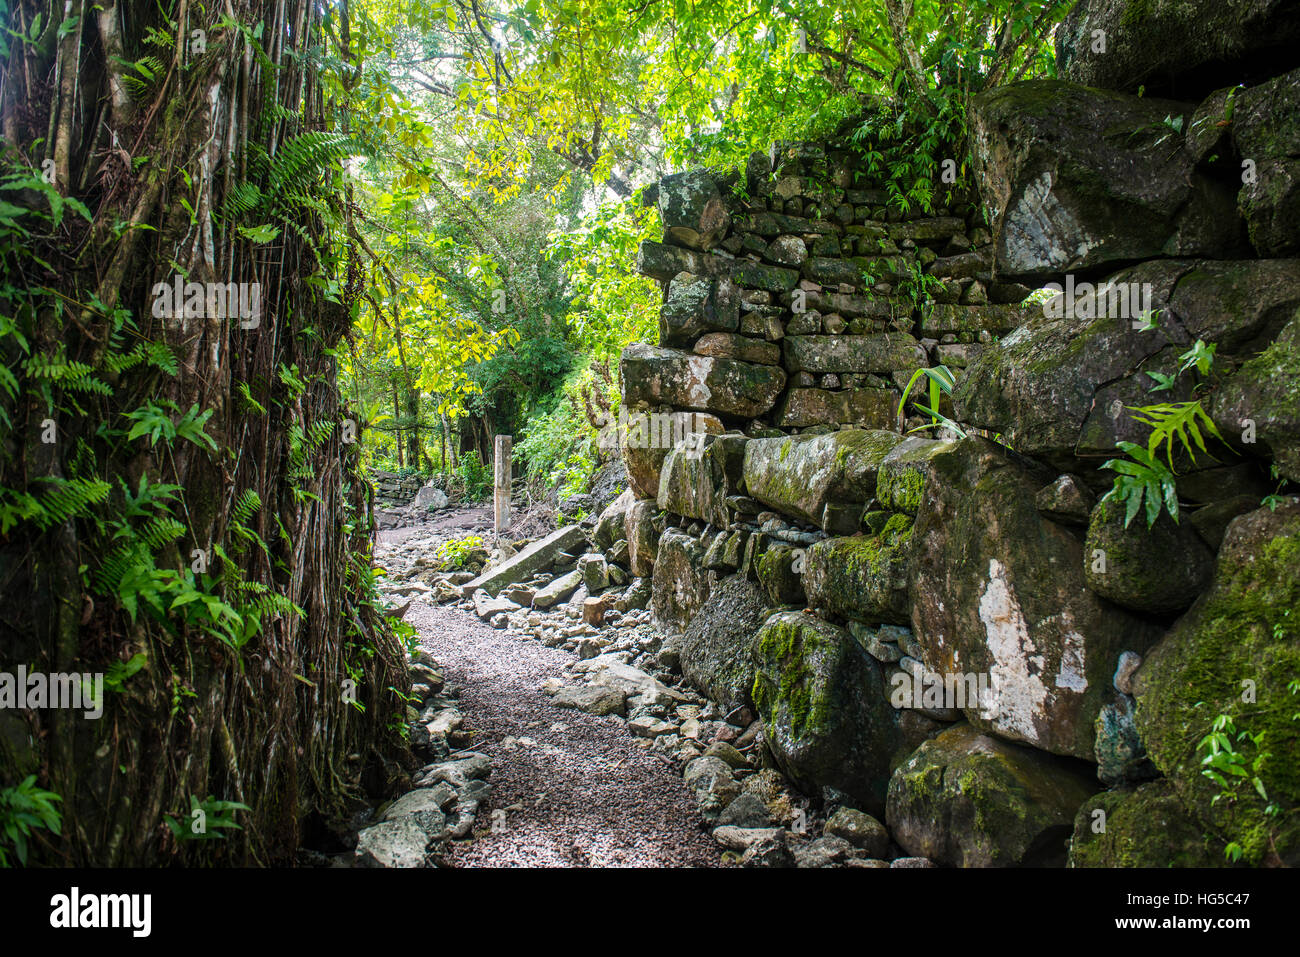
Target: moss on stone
x=789 y=643
x=1147 y=827
x=863 y=577
x=1245 y=630
x=902 y=489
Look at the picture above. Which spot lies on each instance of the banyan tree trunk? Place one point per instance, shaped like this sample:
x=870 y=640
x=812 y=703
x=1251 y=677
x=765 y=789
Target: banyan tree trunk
x=181 y=507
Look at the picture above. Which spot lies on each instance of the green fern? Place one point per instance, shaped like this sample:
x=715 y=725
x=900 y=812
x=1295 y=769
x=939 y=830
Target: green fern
x=249 y=504
x=68 y=499
x=1144 y=480
x=73 y=376
x=1181 y=421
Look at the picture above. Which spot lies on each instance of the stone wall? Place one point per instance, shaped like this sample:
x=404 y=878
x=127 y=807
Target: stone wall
x=393 y=490
x=1074 y=654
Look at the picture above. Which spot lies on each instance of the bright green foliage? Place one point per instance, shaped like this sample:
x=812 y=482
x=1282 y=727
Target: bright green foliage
x=25 y=808
x=1142 y=480
x=1179 y=420
x=454 y=553
x=721 y=78
x=1234 y=759
x=1174 y=425
x=206 y=820
x=941 y=381
x=475 y=477
x=611 y=306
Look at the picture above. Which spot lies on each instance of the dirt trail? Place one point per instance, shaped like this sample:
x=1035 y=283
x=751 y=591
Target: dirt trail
x=575 y=790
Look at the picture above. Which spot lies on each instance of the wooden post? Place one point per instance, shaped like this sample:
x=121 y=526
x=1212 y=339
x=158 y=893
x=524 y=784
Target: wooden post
x=501 y=485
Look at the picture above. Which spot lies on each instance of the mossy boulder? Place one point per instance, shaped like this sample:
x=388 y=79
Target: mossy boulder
x=1236 y=653
x=654 y=375
x=825 y=714
x=1168 y=45
x=865 y=408
x=863 y=577
x=882 y=353
x=967 y=799
x=1142 y=827
x=729 y=345
x=780 y=573
x=612 y=524
x=695 y=481
x=697 y=304
x=903 y=472
x=1264 y=397
x=1158 y=569
x=646 y=438
x=1266 y=127
x=681 y=583
x=692 y=211
x=645 y=523
x=799 y=475
x=998 y=589
x=1074 y=178
x=1059 y=387
x=716 y=650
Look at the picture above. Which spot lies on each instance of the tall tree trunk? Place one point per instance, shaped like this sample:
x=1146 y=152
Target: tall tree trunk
x=413 y=445
x=222 y=548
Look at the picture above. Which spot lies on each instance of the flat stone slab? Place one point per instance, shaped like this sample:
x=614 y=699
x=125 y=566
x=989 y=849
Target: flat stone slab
x=536 y=557
x=593 y=699
x=558 y=590
x=400 y=843
x=485 y=606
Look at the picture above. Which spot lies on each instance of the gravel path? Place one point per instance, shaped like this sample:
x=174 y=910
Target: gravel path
x=575 y=789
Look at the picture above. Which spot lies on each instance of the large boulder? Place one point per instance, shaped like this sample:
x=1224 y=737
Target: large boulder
x=800 y=475
x=716 y=650
x=681 y=582
x=698 y=476
x=612 y=524
x=654 y=375
x=884 y=352
x=1261 y=402
x=1235 y=653
x=1266 y=127
x=1143 y=827
x=692 y=211
x=780 y=573
x=1154 y=569
x=1058 y=386
x=969 y=800
x=646 y=439
x=903 y=472
x=865 y=408
x=645 y=523
x=1075 y=178
x=399 y=843
x=695 y=305
x=728 y=345
x=1175 y=45
x=826 y=716
x=998 y=590
x=863 y=577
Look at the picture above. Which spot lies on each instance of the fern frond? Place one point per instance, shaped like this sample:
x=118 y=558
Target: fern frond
x=161 y=531
x=68 y=499
x=248 y=505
